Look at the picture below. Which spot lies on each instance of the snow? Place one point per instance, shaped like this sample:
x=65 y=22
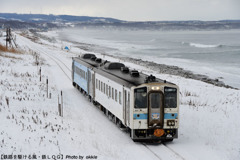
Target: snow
x=30 y=124
x=203 y=45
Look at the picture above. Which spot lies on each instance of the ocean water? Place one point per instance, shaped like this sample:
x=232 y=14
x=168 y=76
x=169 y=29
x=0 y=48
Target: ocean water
x=212 y=53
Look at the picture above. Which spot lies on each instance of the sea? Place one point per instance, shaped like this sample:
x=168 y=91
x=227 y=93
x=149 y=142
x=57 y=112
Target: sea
x=214 y=53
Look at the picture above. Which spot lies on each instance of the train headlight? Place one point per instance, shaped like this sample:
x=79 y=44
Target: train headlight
x=155 y=88
x=171 y=123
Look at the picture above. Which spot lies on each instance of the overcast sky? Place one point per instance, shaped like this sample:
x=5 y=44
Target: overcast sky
x=132 y=10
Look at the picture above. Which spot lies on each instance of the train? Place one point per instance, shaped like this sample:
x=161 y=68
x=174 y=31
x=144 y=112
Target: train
x=141 y=104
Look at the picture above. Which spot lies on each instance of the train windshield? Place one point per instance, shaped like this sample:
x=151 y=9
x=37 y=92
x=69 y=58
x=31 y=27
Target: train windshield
x=155 y=100
x=140 y=97
x=170 y=97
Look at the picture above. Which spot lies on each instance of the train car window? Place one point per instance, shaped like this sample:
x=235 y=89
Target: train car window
x=112 y=93
x=101 y=86
x=120 y=98
x=170 y=97
x=96 y=84
x=116 y=97
x=75 y=68
x=80 y=72
x=104 y=88
x=86 y=75
x=140 y=97
x=107 y=90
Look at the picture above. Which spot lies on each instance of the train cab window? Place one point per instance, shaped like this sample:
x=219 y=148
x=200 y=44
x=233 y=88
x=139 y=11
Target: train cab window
x=140 y=97
x=116 y=97
x=112 y=93
x=156 y=100
x=170 y=97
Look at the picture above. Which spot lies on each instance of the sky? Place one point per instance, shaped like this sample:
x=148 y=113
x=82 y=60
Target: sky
x=131 y=10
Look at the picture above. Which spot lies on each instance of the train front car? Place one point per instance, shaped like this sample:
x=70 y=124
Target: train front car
x=155 y=112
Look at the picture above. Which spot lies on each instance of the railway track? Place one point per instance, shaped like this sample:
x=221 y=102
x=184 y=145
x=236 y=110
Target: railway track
x=163 y=152
x=59 y=62
x=66 y=70
x=177 y=154
x=152 y=152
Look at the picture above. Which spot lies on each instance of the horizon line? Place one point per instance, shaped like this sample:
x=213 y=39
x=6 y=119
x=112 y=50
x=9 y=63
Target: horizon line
x=119 y=19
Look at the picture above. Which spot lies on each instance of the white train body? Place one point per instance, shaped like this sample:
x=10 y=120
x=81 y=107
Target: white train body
x=147 y=107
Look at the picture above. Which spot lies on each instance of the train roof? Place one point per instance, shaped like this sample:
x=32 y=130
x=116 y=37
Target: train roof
x=89 y=61
x=120 y=73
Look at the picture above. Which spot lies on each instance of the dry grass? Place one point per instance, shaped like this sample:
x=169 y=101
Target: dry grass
x=9 y=49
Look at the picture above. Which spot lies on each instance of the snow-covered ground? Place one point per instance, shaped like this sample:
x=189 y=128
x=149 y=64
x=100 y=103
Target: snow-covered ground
x=209 y=115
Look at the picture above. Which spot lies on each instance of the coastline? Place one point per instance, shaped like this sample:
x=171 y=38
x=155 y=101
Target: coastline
x=160 y=68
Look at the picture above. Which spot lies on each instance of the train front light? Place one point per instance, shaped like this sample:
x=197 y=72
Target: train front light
x=155 y=88
x=171 y=123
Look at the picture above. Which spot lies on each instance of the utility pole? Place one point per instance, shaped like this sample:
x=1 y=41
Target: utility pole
x=62 y=103
x=40 y=72
x=9 y=38
x=47 y=86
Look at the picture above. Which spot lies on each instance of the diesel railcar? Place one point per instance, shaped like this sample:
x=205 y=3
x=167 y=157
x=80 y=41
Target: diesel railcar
x=145 y=106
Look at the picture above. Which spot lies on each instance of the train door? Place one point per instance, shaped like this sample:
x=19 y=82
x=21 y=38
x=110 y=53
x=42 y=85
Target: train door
x=124 y=106
x=155 y=110
x=89 y=82
x=73 y=70
x=93 y=86
x=128 y=109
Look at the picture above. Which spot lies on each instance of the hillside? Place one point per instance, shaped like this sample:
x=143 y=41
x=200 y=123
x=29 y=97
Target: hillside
x=41 y=21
